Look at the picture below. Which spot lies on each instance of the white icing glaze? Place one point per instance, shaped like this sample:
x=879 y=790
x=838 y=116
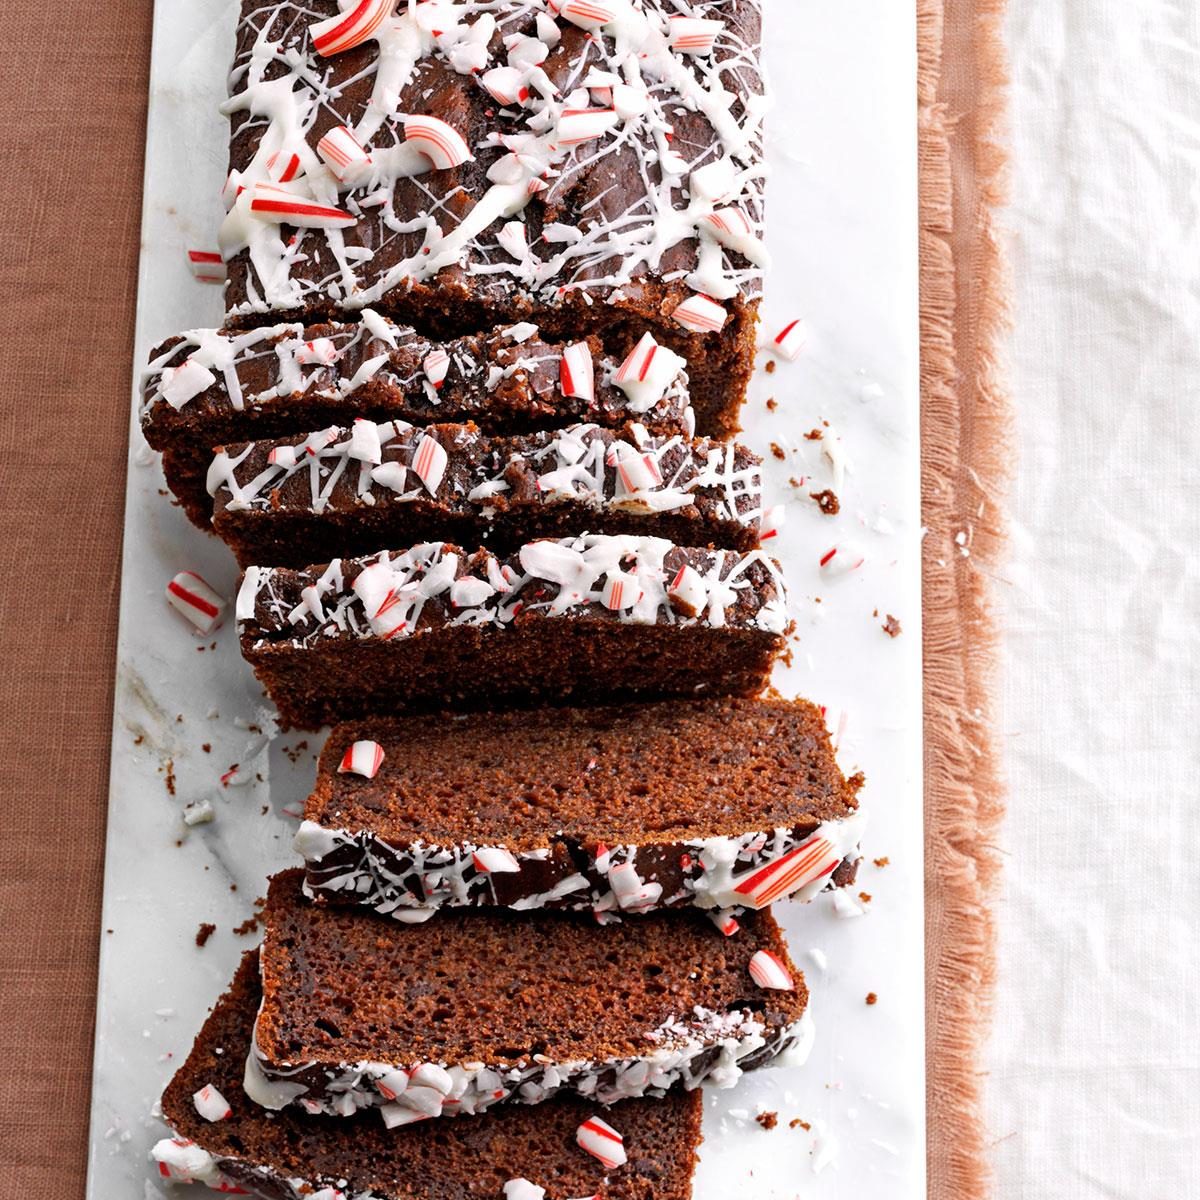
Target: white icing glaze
x=619 y=98
x=404 y=880
x=388 y=596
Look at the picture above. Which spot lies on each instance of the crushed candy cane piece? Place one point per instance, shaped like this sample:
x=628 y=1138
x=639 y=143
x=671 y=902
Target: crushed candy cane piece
x=342 y=152
x=348 y=29
x=771 y=522
x=812 y=860
x=436 y=367
x=362 y=758
x=210 y=1104
x=429 y=463
x=687 y=591
x=190 y=595
x=842 y=559
x=790 y=340
x=576 y=125
x=692 y=35
x=700 y=314
x=587 y=14
x=494 y=860
x=602 y=1141
x=441 y=143
x=576 y=374
x=271 y=203
x=207 y=265
x=768 y=971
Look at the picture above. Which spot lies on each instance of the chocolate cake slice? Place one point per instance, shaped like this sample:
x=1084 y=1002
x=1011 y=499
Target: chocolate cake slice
x=592 y=167
x=481 y=1008
x=212 y=387
x=723 y=804
x=292 y=1156
x=351 y=490
x=586 y=619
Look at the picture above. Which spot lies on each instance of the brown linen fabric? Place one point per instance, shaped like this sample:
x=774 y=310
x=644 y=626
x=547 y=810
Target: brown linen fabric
x=965 y=462
x=73 y=99
x=74 y=103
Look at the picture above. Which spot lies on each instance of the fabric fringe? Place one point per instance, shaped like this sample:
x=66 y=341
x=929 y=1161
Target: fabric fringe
x=966 y=464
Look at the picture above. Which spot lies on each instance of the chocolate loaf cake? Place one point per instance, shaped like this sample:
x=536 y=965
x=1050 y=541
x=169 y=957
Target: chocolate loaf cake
x=482 y=1008
x=292 y=1156
x=212 y=387
x=723 y=804
x=346 y=491
x=595 y=168
x=589 y=619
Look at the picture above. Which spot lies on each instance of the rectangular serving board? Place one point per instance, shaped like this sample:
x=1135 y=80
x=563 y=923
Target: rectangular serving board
x=842 y=222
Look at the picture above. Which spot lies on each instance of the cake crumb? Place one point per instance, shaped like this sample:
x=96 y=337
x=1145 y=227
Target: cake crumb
x=768 y=1120
x=770 y=366
x=248 y=926
x=882 y=862
x=872 y=998
x=865 y=897
x=206 y=747
x=778 y=451
x=796 y=1123
x=772 y=403
x=813 y=435
x=206 y=930
x=827 y=502
x=892 y=627
x=170 y=777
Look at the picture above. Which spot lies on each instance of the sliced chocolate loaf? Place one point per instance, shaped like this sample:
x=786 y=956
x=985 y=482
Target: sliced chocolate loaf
x=481 y=1008
x=213 y=387
x=723 y=804
x=347 y=491
x=588 y=619
x=596 y=168
x=290 y=1155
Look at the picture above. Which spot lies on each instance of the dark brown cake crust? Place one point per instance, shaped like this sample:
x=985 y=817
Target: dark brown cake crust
x=693 y=794
x=620 y=184
x=278 y=383
x=449 y=1160
x=529 y=639
x=324 y=502
x=508 y=1007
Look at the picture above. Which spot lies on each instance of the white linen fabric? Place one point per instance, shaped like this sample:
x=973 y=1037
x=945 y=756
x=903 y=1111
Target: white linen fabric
x=1094 y=1064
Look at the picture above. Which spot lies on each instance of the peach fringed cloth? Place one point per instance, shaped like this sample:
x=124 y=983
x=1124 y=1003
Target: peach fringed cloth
x=74 y=111
x=964 y=464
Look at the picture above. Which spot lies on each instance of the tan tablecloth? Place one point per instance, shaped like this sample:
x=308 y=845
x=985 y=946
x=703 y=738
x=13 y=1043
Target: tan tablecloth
x=73 y=95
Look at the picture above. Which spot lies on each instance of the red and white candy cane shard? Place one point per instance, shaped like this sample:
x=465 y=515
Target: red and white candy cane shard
x=771 y=522
x=342 y=152
x=350 y=28
x=513 y=240
x=620 y=592
x=587 y=14
x=790 y=340
x=429 y=463
x=210 y=1104
x=190 y=595
x=638 y=472
x=808 y=862
x=505 y=85
x=494 y=860
x=271 y=203
x=207 y=265
x=692 y=35
x=576 y=125
x=436 y=367
x=602 y=1141
x=442 y=144
x=700 y=314
x=841 y=560
x=283 y=168
x=631 y=892
x=319 y=350
x=576 y=374
x=362 y=758
x=725 y=921
x=637 y=363
x=727 y=224
x=687 y=592
x=768 y=971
